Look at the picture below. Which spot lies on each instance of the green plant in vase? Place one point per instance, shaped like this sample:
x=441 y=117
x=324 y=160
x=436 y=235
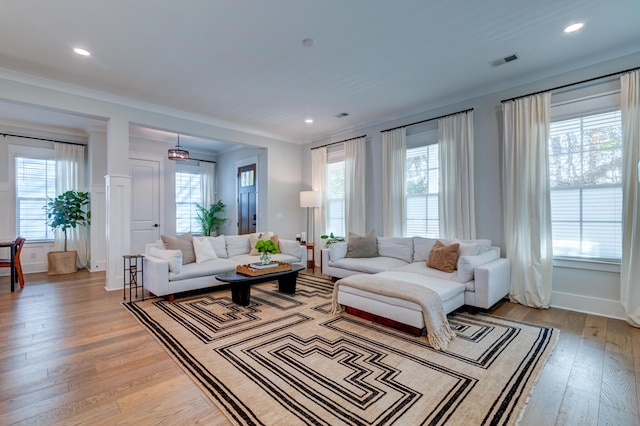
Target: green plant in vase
x=266 y=248
x=331 y=239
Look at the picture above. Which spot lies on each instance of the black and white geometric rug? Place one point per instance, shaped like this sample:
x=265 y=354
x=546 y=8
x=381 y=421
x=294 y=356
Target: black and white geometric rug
x=286 y=360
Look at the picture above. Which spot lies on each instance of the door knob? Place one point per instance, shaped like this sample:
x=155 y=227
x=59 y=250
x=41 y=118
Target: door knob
x=155 y=225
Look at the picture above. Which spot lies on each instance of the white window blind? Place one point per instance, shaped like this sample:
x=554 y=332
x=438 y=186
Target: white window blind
x=35 y=184
x=188 y=194
x=422 y=181
x=585 y=170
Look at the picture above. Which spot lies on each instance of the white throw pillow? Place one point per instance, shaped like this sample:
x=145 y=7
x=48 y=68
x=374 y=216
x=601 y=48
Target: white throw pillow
x=468 y=264
x=290 y=247
x=237 y=244
x=396 y=247
x=468 y=249
x=204 y=250
x=174 y=257
x=483 y=244
x=219 y=244
x=338 y=251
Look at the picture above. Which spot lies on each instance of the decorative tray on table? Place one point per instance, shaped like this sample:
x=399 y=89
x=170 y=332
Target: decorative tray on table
x=255 y=269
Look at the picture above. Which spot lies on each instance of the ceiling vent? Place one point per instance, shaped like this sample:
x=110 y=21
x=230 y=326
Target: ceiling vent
x=342 y=114
x=504 y=60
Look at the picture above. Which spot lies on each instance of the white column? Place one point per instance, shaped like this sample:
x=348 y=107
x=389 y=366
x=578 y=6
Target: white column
x=118 y=200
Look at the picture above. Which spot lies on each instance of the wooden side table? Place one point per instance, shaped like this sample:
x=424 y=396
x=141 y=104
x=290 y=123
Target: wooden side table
x=312 y=247
x=133 y=267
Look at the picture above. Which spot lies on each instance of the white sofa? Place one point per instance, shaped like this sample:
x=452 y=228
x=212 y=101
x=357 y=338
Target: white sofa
x=230 y=250
x=481 y=280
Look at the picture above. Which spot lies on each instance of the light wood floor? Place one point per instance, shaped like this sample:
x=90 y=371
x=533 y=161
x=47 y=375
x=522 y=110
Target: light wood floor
x=70 y=354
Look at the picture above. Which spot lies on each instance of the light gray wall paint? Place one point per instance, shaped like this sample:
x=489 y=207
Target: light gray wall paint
x=578 y=284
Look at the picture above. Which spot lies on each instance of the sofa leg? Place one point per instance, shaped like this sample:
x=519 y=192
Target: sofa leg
x=171 y=298
x=473 y=310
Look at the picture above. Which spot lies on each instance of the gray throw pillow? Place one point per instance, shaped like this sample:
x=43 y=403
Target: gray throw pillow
x=184 y=243
x=362 y=245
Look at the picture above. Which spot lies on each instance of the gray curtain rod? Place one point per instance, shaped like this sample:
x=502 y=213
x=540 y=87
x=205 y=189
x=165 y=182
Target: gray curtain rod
x=42 y=139
x=571 y=84
x=336 y=143
x=428 y=119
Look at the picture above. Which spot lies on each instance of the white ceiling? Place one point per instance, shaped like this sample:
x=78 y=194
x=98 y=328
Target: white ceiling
x=242 y=62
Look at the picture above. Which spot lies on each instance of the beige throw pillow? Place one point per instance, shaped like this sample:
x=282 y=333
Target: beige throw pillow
x=254 y=238
x=443 y=258
x=184 y=243
x=362 y=245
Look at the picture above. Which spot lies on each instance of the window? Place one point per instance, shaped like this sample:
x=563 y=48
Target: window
x=422 y=187
x=188 y=194
x=35 y=184
x=585 y=168
x=335 y=213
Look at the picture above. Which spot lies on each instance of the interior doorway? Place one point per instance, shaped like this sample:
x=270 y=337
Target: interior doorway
x=145 y=203
x=247 y=199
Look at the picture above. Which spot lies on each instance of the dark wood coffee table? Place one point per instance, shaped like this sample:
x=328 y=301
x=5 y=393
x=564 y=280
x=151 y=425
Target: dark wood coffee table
x=241 y=284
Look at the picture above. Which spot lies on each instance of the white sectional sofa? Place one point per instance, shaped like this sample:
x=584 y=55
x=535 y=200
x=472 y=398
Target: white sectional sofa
x=164 y=277
x=482 y=278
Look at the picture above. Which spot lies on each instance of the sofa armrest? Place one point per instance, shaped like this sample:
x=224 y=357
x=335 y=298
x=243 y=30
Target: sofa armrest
x=156 y=275
x=492 y=282
x=324 y=260
x=294 y=248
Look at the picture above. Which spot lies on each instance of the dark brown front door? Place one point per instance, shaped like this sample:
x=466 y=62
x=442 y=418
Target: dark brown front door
x=247 y=199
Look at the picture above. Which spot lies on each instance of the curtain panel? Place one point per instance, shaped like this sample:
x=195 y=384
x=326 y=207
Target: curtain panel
x=318 y=183
x=394 y=152
x=70 y=175
x=355 y=185
x=527 y=207
x=457 y=206
x=207 y=183
x=630 y=262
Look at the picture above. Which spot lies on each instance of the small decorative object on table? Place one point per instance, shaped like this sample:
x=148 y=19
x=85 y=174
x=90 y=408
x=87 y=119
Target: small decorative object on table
x=266 y=248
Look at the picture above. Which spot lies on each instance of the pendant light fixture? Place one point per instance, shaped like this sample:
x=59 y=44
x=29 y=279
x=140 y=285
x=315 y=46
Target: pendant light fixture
x=177 y=153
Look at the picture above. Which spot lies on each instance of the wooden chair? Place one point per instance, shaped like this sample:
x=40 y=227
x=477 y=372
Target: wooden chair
x=6 y=263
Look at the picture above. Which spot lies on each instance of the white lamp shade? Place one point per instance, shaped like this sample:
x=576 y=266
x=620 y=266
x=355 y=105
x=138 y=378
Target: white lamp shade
x=310 y=199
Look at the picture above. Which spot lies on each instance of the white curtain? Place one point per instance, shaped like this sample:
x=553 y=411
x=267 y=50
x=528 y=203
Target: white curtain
x=394 y=147
x=457 y=206
x=527 y=208
x=207 y=183
x=318 y=183
x=70 y=175
x=630 y=268
x=355 y=185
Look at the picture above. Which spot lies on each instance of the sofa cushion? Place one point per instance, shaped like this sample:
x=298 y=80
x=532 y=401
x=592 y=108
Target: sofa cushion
x=203 y=250
x=467 y=265
x=219 y=244
x=446 y=289
x=338 y=250
x=174 y=257
x=400 y=248
x=422 y=269
x=421 y=248
x=291 y=248
x=194 y=270
x=184 y=243
x=362 y=246
x=369 y=265
x=237 y=244
x=443 y=257
x=483 y=244
x=467 y=249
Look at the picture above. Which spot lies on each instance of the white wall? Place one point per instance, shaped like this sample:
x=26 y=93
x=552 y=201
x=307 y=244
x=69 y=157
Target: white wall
x=596 y=291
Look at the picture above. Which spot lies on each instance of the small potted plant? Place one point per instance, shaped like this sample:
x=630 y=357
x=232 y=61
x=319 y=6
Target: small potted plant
x=331 y=239
x=66 y=211
x=209 y=218
x=266 y=248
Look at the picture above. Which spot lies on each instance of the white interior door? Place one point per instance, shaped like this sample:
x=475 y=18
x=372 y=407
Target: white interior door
x=145 y=203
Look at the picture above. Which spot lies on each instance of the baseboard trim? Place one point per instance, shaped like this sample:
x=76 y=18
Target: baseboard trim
x=588 y=305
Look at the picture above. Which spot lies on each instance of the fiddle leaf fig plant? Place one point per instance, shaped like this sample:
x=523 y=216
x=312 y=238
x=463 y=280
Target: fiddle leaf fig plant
x=68 y=210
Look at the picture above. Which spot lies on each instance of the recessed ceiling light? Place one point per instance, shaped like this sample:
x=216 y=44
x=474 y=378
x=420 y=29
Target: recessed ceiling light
x=308 y=120
x=574 y=27
x=307 y=42
x=81 y=51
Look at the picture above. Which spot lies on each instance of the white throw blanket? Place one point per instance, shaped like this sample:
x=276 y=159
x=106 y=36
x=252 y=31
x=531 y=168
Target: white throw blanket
x=439 y=332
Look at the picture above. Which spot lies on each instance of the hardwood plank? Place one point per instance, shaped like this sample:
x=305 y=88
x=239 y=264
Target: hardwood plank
x=545 y=403
x=578 y=408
